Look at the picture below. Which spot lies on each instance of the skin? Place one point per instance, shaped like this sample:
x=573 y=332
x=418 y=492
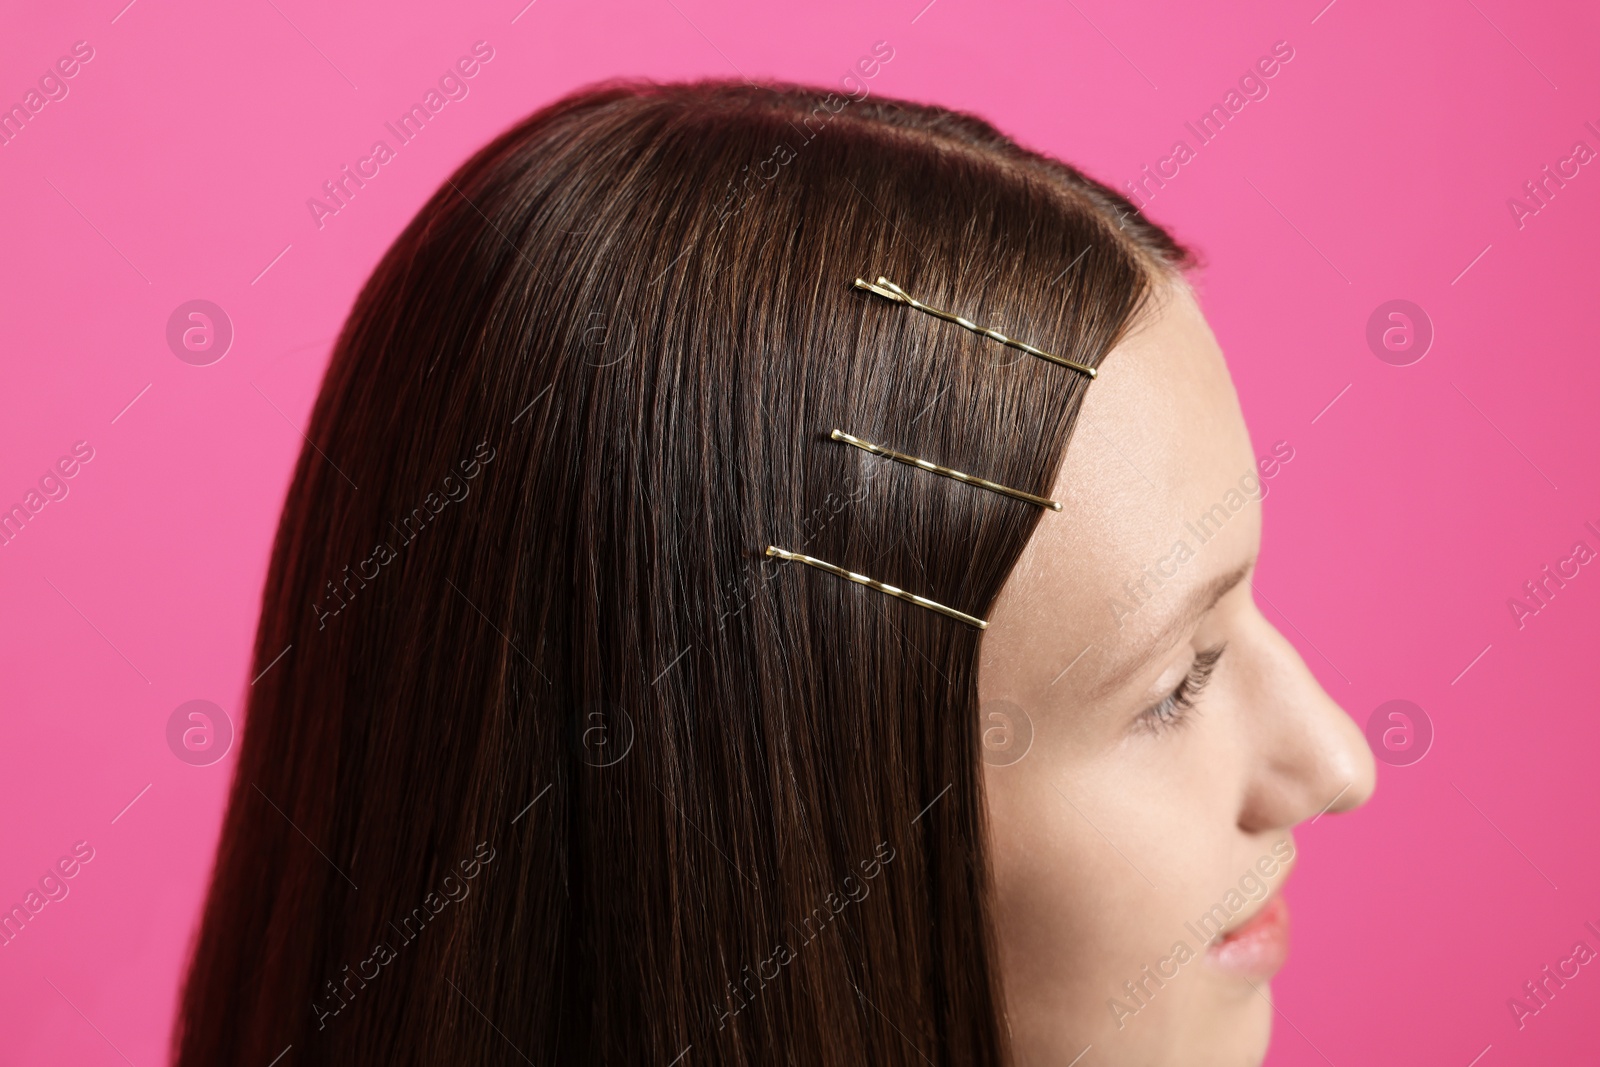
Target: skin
x=1113 y=831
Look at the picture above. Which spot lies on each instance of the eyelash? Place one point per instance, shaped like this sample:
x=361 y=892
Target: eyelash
x=1173 y=710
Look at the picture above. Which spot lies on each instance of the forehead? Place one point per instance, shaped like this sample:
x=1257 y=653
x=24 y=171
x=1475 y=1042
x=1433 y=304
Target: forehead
x=1159 y=441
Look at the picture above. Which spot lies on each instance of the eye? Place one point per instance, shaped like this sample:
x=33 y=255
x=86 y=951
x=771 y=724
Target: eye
x=1173 y=709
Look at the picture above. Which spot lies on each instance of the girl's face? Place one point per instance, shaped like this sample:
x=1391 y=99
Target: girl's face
x=1176 y=736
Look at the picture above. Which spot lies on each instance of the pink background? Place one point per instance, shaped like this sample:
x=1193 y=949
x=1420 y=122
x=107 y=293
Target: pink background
x=1379 y=167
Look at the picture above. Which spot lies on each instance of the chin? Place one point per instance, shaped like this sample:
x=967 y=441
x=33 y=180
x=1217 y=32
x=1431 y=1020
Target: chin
x=1229 y=1029
x=1222 y=1023
x=1240 y=1037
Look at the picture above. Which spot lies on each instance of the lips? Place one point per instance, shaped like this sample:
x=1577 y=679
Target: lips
x=1258 y=948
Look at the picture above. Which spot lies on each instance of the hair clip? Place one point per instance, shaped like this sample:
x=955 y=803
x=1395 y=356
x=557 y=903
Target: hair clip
x=890 y=291
x=969 y=479
x=872 y=583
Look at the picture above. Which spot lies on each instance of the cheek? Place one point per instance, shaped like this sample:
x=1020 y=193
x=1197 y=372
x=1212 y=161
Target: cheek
x=1075 y=912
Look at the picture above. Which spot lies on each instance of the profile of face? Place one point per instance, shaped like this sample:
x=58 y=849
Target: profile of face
x=1140 y=845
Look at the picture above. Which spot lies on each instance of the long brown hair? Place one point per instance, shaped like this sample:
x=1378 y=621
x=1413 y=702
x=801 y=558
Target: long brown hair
x=547 y=762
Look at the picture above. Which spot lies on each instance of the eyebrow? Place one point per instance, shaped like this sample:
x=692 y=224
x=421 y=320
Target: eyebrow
x=1194 y=607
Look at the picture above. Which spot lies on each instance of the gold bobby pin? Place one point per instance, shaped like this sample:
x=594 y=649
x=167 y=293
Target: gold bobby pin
x=890 y=291
x=872 y=583
x=981 y=483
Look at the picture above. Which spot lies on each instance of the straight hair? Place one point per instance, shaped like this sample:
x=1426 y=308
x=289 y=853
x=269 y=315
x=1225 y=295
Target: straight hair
x=519 y=634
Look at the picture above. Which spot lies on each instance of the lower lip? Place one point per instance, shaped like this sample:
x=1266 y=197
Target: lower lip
x=1257 y=949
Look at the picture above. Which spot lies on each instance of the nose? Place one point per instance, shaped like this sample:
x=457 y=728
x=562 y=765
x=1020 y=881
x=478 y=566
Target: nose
x=1310 y=758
